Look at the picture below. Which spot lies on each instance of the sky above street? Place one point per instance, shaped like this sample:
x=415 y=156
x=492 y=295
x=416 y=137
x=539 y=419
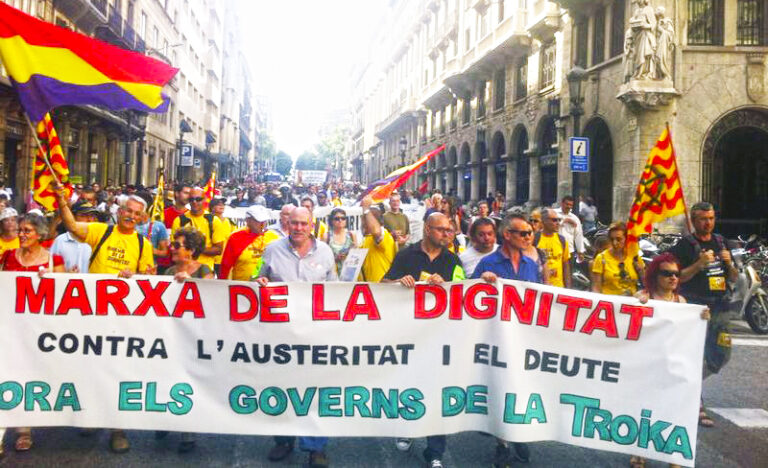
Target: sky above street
x=301 y=54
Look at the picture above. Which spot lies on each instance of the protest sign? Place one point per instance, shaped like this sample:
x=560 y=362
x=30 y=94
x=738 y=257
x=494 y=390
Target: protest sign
x=310 y=177
x=353 y=264
x=520 y=361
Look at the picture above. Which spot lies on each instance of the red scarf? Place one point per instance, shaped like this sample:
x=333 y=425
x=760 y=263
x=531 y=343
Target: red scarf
x=237 y=243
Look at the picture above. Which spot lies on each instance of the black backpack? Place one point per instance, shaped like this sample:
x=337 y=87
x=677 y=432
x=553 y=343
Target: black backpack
x=184 y=220
x=103 y=239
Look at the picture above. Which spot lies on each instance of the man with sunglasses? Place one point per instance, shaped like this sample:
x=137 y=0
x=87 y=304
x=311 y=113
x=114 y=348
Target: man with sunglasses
x=556 y=249
x=209 y=226
x=429 y=261
x=508 y=262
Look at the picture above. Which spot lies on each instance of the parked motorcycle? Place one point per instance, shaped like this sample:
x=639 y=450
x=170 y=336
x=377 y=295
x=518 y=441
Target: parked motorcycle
x=749 y=297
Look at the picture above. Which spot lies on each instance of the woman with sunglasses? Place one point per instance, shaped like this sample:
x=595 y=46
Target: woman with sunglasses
x=662 y=282
x=186 y=247
x=339 y=238
x=30 y=256
x=612 y=272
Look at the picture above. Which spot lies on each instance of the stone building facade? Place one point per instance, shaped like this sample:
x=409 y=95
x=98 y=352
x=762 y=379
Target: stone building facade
x=131 y=147
x=485 y=79
x=713 y=98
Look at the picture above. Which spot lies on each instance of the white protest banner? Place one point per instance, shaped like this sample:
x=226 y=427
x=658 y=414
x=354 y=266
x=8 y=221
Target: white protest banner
x=310 y=177
x=520 y=361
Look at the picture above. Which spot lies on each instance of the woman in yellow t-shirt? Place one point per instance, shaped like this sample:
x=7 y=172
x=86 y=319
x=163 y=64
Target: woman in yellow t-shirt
x=9 y=230
x=612 y=272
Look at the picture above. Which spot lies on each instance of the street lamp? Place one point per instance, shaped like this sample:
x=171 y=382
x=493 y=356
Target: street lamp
x=575 y=78
x=403 y=147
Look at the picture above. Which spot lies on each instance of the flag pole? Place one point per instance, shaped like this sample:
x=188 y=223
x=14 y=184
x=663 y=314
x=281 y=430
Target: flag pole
x=688 y=224
x=40 y=147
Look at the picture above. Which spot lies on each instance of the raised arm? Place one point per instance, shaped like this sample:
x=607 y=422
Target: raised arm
x=78 y=230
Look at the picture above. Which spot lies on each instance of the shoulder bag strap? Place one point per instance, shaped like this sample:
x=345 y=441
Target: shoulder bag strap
x=103 y=239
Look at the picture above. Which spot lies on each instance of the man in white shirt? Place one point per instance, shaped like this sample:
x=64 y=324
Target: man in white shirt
x=76 y=254
x=482 y=234
x=570 y=228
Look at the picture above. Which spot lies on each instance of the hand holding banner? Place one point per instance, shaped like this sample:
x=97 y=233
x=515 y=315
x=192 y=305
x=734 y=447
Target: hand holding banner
x=523 y=362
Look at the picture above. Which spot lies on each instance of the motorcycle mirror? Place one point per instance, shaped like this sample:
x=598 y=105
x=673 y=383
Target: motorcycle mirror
x=752 y=238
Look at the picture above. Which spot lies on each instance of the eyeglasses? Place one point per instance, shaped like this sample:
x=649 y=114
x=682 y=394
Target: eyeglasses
x=622 y=271
x=196 y=199
x=555 y=220
x=177 y=245
x=444 y=230
x=669 y=273
x=339 y=218
x=521 y=233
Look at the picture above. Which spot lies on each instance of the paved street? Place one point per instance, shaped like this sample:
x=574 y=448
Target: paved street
x=740 y=438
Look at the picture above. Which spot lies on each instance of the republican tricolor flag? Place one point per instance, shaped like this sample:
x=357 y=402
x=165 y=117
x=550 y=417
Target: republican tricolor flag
x=659 y=194
x=383 y=188
x=50 y=66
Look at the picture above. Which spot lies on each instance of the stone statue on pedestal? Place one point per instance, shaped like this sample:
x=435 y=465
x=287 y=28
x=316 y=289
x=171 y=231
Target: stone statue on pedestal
x=649 y=44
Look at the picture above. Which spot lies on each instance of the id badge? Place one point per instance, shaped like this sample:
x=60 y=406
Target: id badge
x=424 y=276
x=717 y=283
x=724 y=340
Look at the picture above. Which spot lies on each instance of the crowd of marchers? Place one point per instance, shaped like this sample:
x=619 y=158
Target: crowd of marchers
x=109 y=231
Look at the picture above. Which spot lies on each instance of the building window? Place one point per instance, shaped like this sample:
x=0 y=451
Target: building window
x=750 y=29
x=548 y=64
x=499 y=89
x=466 y=111
x=501 y=11
x=454 y=107
x=598 y=38
x=582 y=36
x=617 y=27
x=521 y=79
x=467 y=39
x=481 y=100
x=705 y=22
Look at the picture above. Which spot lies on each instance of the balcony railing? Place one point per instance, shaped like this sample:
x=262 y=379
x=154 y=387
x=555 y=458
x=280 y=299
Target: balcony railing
x=86 y=14
x=115 y=21
x=100 y=5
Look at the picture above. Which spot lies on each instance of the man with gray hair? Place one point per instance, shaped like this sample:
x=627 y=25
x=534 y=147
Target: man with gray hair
x=117 y=249
x=298 y=257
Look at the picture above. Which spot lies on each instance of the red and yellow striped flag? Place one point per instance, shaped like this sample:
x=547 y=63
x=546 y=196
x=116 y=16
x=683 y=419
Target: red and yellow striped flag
x=659 y=194
x=210 y=189
x=158 y=206
x=42 y=186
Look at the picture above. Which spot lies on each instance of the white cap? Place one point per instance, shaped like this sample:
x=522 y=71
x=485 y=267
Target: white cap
x=34 y=211
x=8 y=213
x=257 y=212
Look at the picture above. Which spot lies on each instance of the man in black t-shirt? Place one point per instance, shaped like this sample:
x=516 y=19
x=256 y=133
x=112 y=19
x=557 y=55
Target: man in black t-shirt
x=427 y=261
x=707 y=272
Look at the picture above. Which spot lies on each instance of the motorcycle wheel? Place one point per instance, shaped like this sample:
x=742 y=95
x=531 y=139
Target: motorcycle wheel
x=756 y=314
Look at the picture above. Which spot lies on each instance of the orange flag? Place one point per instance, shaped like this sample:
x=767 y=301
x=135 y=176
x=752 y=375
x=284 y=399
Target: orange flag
x=42 y=186
x=659 y=194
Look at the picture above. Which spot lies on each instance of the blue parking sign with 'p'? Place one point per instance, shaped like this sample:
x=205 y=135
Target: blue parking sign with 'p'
x=579 y=154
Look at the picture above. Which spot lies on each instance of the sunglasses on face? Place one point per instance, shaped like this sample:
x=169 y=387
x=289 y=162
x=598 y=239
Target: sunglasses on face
x=669 y=273
x=339 y=218
x=555 y=220
x=196 y=199
x=521 y=233
x=177 y=245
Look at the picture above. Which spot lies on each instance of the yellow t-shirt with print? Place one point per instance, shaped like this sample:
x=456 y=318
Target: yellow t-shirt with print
x=8 y=245
x=379 y=258
x=229 y=227
x=250 y=259
x=200 y=223
x=320 y=228
x=619 y=277
x=118 y=252
x=557 y=253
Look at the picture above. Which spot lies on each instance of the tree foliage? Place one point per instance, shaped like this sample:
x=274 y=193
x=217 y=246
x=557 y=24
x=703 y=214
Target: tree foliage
x=283 y=163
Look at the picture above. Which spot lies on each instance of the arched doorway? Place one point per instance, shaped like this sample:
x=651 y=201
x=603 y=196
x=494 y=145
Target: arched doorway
x=499 y=149
x=523 y=167
x=598 y=184
x=482 y=158
x=466 y=172
x=548 y=161
x=452 y=171
x=735 y=171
